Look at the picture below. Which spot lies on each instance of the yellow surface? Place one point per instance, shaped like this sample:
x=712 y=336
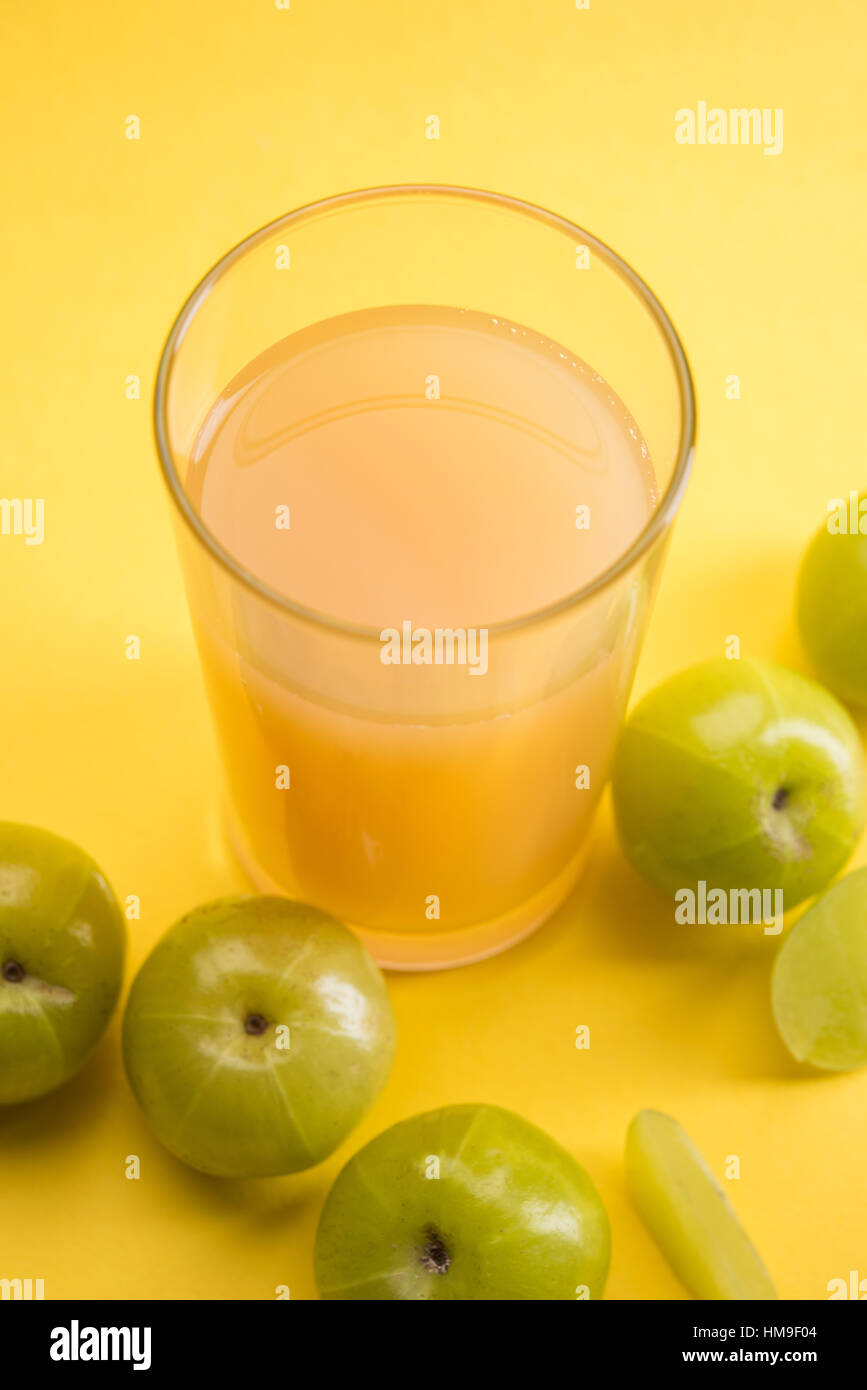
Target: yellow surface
x=247 y=111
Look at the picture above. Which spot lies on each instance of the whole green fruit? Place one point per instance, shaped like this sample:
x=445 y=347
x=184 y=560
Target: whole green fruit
x=467 y=1202
x=832 y=606
x=742 y=774
x=256 y=1035
x=62 y=943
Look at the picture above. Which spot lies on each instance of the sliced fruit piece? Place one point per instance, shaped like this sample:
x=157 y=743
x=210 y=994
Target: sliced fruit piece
x=688 y=1214
x=819 y=982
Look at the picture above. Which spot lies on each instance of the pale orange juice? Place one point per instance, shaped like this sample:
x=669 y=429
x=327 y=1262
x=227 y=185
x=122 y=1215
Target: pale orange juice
x=420 y=479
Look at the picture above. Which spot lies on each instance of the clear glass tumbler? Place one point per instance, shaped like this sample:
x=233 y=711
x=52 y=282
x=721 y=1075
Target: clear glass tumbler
x=442 y=818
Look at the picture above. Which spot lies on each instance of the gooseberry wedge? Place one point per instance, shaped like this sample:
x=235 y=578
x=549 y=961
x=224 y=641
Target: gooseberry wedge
x=819 y=981
x=689 y=1215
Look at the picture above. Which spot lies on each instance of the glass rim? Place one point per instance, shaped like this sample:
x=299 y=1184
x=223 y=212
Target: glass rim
x=659 y=520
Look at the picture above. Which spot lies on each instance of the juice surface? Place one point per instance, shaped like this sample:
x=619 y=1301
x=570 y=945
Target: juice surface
x=432 y=461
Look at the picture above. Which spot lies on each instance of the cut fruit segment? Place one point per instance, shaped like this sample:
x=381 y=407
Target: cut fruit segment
x=819 y=982
x=688 y=1214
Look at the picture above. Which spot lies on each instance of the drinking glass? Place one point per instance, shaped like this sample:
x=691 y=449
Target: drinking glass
x=442 y=818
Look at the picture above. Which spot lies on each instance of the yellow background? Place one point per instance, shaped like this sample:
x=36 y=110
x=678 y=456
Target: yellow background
x=247 y=111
